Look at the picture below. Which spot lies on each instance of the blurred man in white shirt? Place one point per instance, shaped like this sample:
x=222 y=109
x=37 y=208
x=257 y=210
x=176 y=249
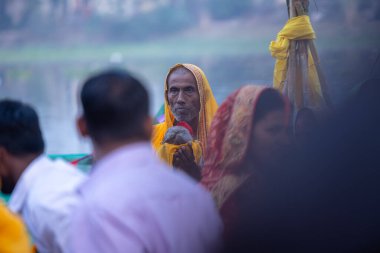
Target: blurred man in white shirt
x=42 y=190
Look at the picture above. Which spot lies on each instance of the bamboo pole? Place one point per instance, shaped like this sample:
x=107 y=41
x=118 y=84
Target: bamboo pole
x=297 y=83
x=297 y=77
x=291 y=74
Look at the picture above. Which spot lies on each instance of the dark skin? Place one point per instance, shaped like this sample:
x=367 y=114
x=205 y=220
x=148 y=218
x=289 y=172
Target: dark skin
x=183 y=99
x=184 y=160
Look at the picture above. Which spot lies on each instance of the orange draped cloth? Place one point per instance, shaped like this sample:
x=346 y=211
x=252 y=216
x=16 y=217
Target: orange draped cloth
x=206 y=113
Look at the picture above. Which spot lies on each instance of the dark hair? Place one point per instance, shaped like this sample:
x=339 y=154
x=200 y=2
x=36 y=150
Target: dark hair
x=270 y=100
x=20 y=132
x=115 y=105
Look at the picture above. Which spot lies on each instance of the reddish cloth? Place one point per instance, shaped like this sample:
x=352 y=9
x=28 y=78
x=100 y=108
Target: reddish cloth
x=229 y=134
x=224 y=173
x=185 y=125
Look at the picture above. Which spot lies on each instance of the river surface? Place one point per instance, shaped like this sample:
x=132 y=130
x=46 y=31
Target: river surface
x=52 y=88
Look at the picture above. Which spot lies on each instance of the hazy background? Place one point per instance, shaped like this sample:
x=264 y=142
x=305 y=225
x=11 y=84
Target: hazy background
x=48 y=48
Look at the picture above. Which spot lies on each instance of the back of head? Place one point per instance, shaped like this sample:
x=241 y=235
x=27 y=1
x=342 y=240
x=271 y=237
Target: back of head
x=115 y=107
x=20 y=132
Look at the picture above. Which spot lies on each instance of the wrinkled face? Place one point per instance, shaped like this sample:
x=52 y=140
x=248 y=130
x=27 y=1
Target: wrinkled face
x=269 y=139
x=183 y=95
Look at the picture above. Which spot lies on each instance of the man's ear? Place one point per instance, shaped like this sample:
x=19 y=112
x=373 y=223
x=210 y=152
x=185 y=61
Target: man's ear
x=82 y=126
x=148 y=128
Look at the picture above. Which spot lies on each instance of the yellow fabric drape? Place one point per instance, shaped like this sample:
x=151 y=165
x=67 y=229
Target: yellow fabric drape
x=13 y=235
x=206 y=113
x=166 y=151
x=297 y=28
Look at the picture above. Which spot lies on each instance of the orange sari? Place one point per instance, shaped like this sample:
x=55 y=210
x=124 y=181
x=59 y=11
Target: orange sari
x=206 y=114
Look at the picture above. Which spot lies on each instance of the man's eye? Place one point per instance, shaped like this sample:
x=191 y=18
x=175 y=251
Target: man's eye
x=173 y=90
x=189 y=89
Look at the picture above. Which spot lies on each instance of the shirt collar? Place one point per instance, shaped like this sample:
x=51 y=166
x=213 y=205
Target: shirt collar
x=131 y=152
x=25 y=182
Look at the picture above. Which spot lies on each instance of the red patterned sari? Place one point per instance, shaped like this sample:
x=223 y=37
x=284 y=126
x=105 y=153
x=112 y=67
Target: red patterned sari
x=225 y=174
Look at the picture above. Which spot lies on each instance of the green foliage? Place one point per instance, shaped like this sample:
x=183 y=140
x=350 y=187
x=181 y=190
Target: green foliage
x=227 y=9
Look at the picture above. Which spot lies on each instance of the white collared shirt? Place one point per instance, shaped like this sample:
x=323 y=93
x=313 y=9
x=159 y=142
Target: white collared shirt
x=45 y=196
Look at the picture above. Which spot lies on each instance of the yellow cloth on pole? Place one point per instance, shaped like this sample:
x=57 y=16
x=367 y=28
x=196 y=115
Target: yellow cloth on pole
x=166 y=151
x=206 y=113
x=13 y=235
x=297 y=28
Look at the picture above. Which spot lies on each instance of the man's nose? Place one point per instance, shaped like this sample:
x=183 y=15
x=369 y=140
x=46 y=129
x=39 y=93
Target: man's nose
x=181 y=97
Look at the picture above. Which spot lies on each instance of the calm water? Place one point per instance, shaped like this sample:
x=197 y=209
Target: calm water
x=52 y=88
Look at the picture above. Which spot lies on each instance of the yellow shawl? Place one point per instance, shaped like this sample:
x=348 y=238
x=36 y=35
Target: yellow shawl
x=206 y=113
x=297 y=28
x=13 y=235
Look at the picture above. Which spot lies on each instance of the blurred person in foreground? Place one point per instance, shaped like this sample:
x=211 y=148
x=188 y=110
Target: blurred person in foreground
x=132 y=202
x=188 y=98
x=344 y=183
x=249 y=138
x=334 y=187
x=42 y=190
x=13 y=235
